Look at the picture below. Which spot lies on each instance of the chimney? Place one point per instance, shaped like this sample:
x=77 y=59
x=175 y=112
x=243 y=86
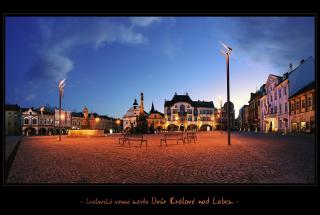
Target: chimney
x=301 y=61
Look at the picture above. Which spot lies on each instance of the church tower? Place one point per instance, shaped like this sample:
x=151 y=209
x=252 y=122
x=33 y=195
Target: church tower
x=152 y=108
x=141 y=104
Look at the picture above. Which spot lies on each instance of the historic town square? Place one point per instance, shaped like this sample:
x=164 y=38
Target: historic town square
x=160 y=100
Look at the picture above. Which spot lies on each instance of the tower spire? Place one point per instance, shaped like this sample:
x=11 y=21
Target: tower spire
x=152 y=108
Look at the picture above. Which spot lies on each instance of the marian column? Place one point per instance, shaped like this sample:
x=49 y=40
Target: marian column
x=141 y=104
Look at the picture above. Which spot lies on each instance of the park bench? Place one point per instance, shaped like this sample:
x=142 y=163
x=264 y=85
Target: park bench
x=171 y=136
x=191 y=136
x=132 y=137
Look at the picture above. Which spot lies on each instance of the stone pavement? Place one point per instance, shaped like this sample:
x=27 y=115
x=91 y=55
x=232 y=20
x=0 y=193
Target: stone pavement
x=10 y=144
x=253 y=158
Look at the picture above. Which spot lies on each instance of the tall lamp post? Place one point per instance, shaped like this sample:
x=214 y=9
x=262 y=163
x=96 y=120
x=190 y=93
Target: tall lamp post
x=97 y=123
x=227 y=51
x=118 y=123
x=220 y=100
x=61 y=87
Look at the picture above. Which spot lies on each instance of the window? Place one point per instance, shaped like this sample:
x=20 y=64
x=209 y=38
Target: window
x=270 y=98
x=275 y=109
x=285 y=107
x=275 y=95
x=195 y=118
x=280 y=108
x=298 y=104
x=15 y=123
x=303 y=103
x=182 y=109
x=9 y=124
x=309 y=101
x=285 y=90
x=9 y=112
x=279 y=93
x=26 y=121
x=34 y=121
x=189 y=118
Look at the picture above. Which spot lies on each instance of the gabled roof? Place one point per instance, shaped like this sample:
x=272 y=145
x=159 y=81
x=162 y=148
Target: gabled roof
x=156 y=112
x=45 y=111
x=178 y=98
x=185 y=98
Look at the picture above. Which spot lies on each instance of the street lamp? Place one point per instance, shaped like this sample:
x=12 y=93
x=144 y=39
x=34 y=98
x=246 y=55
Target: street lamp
x=118 y=123
x=227 y=51
x=61 y=87
x=220 y=100
x=97 y=122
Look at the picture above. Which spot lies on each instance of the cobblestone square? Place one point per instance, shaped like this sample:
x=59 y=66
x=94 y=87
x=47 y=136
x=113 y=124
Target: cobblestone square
x=253 y=158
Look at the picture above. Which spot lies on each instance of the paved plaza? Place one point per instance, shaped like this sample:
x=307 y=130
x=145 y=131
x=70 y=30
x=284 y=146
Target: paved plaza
x=253 y=158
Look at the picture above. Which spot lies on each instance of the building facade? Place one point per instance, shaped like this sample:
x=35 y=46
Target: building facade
x=156 y=119
x=182 y=113
x=243 y=117
x=65 y=121
x=131 y=116
x=281 y=98
x=268 y=105
x=76 y=120
x=225 y=116
x=30 y=119
x=45 y=121
x=302 y=109
x=254 y=109
x=12 y=120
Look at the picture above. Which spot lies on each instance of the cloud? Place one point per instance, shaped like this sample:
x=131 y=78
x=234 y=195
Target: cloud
x=58 y=35
x=276 y=41
x=30 y=97
x=52 y=66
x=144 y=21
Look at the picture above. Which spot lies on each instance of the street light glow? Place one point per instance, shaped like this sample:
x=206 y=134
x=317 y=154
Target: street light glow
x=61 y=83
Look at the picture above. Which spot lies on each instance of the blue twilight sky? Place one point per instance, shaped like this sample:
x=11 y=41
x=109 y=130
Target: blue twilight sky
x=108 y=61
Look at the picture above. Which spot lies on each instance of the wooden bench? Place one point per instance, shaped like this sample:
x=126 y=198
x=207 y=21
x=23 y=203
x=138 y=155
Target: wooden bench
x=132 y=137
x=172 y=136
x=191 y=136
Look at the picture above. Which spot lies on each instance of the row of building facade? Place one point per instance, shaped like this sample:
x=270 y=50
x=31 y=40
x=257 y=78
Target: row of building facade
x=181 y=113
x=45 y=121
x=284 y=103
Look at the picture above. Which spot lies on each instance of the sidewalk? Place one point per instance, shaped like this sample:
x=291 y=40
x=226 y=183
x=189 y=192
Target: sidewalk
x=10 y=144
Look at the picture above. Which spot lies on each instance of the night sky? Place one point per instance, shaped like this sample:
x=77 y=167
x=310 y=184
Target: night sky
x=108 y=61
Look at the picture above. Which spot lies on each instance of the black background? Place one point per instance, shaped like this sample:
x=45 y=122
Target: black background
x=260 y=199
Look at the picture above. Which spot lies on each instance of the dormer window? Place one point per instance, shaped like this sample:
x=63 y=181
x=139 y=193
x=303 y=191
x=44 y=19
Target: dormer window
x=30 y=113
